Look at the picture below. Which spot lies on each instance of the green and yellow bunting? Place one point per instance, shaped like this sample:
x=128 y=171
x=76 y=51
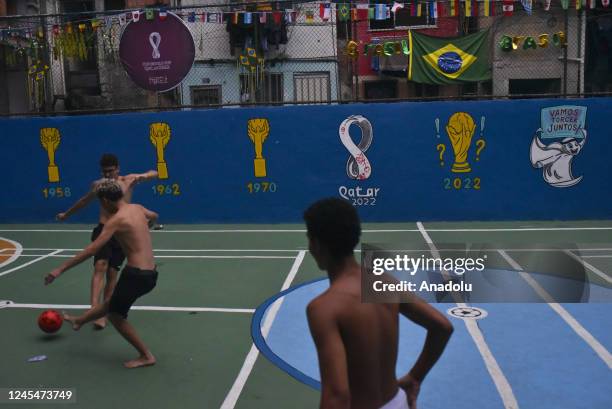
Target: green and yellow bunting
x=344 y=12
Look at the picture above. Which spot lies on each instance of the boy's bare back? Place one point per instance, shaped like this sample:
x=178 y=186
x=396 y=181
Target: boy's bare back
x=357 y=343
x=132 y=231
x=127 y=184
x=369 y=337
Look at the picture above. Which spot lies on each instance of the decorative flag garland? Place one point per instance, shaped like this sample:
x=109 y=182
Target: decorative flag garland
x=387 y=49
x=325 y=11
x=508 y=7
x=362 y=11
x=74 y=39
x=454 y=6
x=511 y=43
x=528 y=6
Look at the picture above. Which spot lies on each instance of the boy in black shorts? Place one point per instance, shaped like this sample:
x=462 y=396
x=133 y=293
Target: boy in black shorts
x=109 y=258
x=128 y=224
x=111 y=253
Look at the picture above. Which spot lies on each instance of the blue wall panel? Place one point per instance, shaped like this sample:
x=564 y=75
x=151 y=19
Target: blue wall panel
x=210 y=163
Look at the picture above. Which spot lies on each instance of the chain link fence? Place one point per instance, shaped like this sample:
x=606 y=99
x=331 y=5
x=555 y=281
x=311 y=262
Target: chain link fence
x=66 y=63
x=552 y=51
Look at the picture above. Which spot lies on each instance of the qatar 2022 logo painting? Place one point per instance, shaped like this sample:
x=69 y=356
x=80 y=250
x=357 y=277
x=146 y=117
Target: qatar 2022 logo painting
x=358 y=165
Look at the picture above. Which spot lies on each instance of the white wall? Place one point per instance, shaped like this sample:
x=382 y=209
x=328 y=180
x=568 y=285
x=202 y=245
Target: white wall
x=227 y=75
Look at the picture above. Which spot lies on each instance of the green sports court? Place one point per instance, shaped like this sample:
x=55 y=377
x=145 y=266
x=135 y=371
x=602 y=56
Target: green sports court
x=213 y=278
x=461 y=131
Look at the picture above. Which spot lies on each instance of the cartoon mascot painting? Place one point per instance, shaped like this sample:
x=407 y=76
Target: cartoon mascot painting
x=556 y=158
x=559 y=140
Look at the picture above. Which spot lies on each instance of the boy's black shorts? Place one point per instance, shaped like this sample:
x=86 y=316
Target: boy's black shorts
x=111 y=251
x=132 y=284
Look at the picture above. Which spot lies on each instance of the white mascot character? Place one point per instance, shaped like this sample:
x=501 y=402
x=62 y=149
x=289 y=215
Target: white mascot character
x=556 y=159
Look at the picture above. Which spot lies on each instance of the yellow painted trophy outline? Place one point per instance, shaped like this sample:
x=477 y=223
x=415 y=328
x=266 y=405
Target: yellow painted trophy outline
x=50 y=139
x=159 y=134
x=258 y=130
x=460 y=129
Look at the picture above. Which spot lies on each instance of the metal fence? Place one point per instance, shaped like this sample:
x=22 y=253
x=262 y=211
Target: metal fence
x=68 y=63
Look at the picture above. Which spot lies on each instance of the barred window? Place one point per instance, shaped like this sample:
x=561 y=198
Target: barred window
x=206 y=95
x=270 y=90
x=311 y=87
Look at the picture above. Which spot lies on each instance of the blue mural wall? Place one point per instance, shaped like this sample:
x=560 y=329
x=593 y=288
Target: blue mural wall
x=395 y=162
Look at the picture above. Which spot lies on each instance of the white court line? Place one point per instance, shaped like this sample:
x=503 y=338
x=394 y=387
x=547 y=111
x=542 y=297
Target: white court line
x=203 y=231
x=526 y=250
x=191 y=250
x=599 y=256
x=299 y=249
x=590 y=267
x=183 y=231
x=195 y=256
x=501 y=383
x=31 y=262
x=249 y=362
x=522 y=229
x=45 y=230
x=304 y=231
x=17 y=253
x=142 y=308
x=599 y=349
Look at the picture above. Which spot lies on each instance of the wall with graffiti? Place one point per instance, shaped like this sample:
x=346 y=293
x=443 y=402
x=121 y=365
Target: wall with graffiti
x=491 y=160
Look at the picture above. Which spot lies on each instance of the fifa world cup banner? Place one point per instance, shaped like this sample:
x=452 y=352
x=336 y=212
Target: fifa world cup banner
x=435 y=60
x=157 y=53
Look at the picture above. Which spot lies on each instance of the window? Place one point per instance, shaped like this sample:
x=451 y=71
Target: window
x=402 y=17
x=11 y=8
x=311 y=86
x=114 y=4
x=382 y=89
x=206 y=95
x=71 y=6
x=598 y=52
x=268 y=90
x=486 y=88
x=534 y=86
x=469 y=88
x=426 y=90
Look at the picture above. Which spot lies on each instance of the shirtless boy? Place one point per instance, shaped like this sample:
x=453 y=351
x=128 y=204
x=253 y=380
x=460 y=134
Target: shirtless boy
x=357 y=342
x=129 y=224
x=109 y=258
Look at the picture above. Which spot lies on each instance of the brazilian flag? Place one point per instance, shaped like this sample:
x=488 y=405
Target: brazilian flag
x=344 y=11
x=435 y=60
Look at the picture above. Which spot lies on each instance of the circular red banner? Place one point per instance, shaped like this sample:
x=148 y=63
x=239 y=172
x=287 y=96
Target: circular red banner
x=157 y=54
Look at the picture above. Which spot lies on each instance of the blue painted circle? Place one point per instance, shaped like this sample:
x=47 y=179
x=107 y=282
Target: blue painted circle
x=262 y=345
x=288 y=344
x=450 y=62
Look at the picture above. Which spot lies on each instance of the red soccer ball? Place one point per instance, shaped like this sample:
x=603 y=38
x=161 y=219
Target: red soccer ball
x=50 y=321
